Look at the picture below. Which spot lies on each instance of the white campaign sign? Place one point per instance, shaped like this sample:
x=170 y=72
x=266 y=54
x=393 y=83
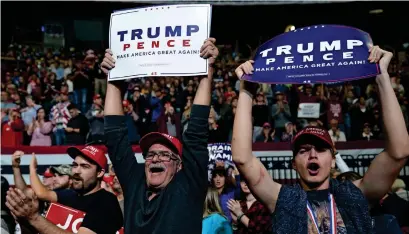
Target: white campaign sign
x=309 y=110
x=159 y=41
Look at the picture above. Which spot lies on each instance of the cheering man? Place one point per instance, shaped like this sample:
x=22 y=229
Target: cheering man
x=103 y=214
x=320 y=204
x=165 y=195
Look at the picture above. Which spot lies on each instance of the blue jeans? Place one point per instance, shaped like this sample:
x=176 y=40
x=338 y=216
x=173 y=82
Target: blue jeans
x=59 y=137
x=80 y=97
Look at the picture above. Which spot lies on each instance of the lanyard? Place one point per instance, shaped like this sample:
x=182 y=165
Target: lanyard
x=332 y=214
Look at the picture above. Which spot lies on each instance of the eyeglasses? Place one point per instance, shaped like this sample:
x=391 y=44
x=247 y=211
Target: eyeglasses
x=163 y=156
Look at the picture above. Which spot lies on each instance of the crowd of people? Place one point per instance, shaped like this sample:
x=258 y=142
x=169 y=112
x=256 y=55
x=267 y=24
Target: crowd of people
x=170 y=191
x=57 y=98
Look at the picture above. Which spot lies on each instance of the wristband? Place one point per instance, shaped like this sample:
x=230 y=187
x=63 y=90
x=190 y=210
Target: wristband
x=239 y=217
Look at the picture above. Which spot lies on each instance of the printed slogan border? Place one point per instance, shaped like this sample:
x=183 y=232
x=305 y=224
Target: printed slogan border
x=208 y=28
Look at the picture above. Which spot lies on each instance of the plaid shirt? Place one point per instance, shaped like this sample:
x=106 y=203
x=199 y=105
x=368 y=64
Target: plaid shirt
x=260 y=219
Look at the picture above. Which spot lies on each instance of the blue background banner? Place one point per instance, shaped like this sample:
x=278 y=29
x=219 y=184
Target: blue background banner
x=314 y=54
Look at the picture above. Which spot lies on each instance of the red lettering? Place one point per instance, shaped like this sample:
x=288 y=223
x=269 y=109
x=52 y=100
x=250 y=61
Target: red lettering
x=169 y=43
x=126 y=46
x=186 y=43
x=140 y=45
x=155 y=44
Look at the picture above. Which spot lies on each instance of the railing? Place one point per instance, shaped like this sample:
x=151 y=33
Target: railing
x=280 y=167
x=276 y=157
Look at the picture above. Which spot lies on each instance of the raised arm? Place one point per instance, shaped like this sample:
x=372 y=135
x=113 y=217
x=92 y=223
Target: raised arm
x=113 y=99
x=195 y=138
x=38 y=187
x=208 y=51
x=386 y=166
x=256 y=175
x=115 y=130
x=18 y=177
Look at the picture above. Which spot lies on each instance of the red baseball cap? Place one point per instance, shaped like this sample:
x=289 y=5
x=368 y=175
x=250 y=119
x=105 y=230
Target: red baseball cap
x=90 y=152
x=125 y=103
x=314 y=134
x=97 y=96
x=109 y=179
x=156 y=137
x=47 y=173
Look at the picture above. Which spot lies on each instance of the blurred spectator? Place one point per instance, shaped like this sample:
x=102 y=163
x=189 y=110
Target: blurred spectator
x=335 y=110
x=268 y=92
x=186 y=114
x=169 y=122
x=60 y=117
x=81 y=85
x=6 y=105
x=7 y=221
x=34 y=86
x=260 y=116
x=225 y=187
x=95 y=116
x=349 y=175
x=335 y=132
x=77 y=127
x=131 y=118
x=117 y=189
x=214 y=221
x=281 y=113
x=399 y=188
x=367 y=133
x=249 y=215
x=376 y=123
x=267 y=135
x=141 y=108
x=40 y=129
x=289 y=133
x=156 y=108
x=29 y=112
x=306 y=95
x=360 y=114
x=12 y=130
x=215 y=130
x=48 y=179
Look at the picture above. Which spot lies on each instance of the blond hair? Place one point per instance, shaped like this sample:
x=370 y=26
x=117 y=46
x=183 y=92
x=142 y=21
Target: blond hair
x=212 y=204
x=398 y=184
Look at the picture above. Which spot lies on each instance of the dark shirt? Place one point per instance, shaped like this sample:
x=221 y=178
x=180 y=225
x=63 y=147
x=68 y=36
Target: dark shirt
x=290 y=214
x=259 y=219
x=260 y=115
x=178 y=208
x=80 y=81
x=74 y=138
x=103 y=213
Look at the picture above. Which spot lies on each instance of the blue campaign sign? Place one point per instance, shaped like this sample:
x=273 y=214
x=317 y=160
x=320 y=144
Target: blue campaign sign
x=314 y=54
x=219 y=152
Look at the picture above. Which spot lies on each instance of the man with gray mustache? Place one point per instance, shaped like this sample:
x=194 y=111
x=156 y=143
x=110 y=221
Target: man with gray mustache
x=166 y=194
